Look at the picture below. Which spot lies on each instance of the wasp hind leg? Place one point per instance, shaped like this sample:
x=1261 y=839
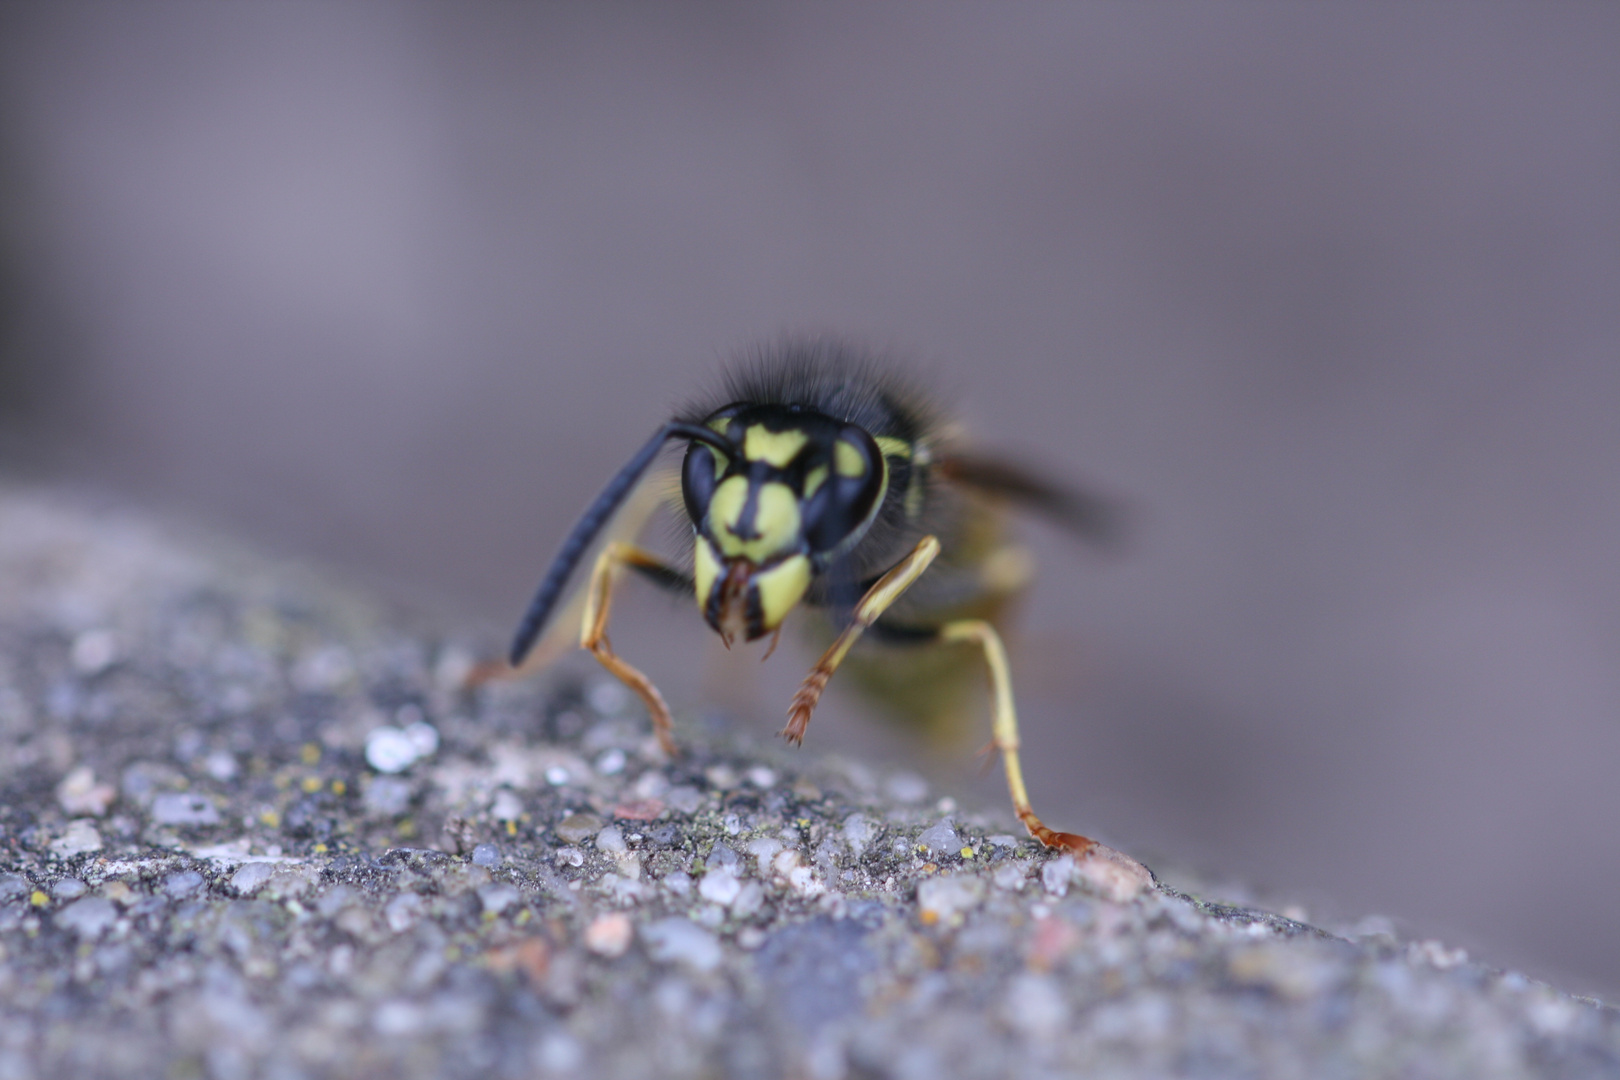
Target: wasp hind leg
x=593 y=626
x=1004 y=729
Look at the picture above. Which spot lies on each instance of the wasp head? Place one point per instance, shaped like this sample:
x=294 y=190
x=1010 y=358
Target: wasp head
x=793 y=490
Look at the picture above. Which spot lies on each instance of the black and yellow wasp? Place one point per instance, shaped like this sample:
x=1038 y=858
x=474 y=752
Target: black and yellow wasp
x=820 y=476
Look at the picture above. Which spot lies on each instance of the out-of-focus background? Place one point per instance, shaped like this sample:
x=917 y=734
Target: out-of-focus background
x=1331 y=294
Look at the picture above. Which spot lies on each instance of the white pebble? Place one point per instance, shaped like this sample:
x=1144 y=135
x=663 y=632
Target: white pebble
x=78 y=793
x=720 y=887
x=1057 y=874
x=79 y=837
x=250 y=877
x=859 y=831
x=94 y=651
x=497 y=898
x=761 y=776
x=906 y=787
x=749 y=900
x=948 y=896
x=556 y=775
x=221 y=765
x=390 y=750
x=611 y=840
x=507 y=806
x=1035 y=1006
x=611 y=762
x=88 y=918
x=424 y=736
x=680 y=941
x=941 y=839
x=183 y=808
x=764 y=849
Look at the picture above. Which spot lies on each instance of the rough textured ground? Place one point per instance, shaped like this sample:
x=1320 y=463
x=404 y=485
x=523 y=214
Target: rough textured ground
x=254 y=828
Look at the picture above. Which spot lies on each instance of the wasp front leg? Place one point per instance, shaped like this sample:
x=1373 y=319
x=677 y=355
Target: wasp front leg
x=593 y=627
x=876 y=601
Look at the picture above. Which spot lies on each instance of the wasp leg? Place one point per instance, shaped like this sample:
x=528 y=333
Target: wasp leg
x=876 y=601
x=593 y=627
x=1005 y=730
x=558 y=638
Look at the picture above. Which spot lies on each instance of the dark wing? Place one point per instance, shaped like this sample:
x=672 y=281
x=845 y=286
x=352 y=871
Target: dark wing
x=1094 y=518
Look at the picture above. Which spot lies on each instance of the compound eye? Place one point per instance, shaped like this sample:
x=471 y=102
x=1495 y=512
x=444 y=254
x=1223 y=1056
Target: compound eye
x=849 y=496
x=700 y=474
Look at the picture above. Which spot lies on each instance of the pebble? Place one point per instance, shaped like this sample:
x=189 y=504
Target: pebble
x=78 y=793
x=221 y=765
x=486 y=855
x=183 y=808
x=183 y=884
x=391 y=749
x=1057 y=874
x=611 y=762
x=249 y=878
x=94 y=651
x=859 y=831
x=13 y=886
x=611 y=840
x=496 y=899
x=506 y=805
x=387 y=796
x=722 y=857
x=69 y=888
x=79 y=837
x=906 y=788
x=720 y=887
x=763 y=849
x=947 y=897
x=683 y=799
x=941 y=839
x=578 y=827
x=402 y=912
x=1035 y=1005
x=1010 y=875
x=609 y=935
x=88 y=918
x=680 y=941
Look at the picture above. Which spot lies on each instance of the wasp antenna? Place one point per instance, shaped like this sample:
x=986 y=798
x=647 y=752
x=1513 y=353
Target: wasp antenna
x=596 y=516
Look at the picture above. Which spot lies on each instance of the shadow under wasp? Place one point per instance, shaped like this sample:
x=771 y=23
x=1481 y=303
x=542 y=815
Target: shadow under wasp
x=820 y=476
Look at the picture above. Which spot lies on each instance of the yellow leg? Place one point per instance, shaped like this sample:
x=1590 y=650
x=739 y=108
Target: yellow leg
x=593 y=633
x=558 y=638
x=1005 y=730
x=873 y=604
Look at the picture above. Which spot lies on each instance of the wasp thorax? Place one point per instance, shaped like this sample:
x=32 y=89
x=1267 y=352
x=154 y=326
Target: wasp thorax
x=796 y=489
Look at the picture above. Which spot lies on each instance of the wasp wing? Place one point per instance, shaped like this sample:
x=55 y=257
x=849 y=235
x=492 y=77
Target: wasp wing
x=1097 y=519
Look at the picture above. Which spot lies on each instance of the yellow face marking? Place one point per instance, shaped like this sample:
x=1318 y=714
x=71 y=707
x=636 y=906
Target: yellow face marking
x=893 y=447
x=705 y=571
x=775 y=524
x=847 y=460
x=777 y=448
x=781 y=587
x=814 y=479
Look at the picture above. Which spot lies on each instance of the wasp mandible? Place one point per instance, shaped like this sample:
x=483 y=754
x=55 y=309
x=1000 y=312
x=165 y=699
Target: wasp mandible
x=820 y=476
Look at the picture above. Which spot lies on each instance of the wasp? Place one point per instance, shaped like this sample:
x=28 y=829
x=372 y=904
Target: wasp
x=819 y=476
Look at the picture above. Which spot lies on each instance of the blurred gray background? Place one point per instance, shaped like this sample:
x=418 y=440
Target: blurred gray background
x=1331 y=293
